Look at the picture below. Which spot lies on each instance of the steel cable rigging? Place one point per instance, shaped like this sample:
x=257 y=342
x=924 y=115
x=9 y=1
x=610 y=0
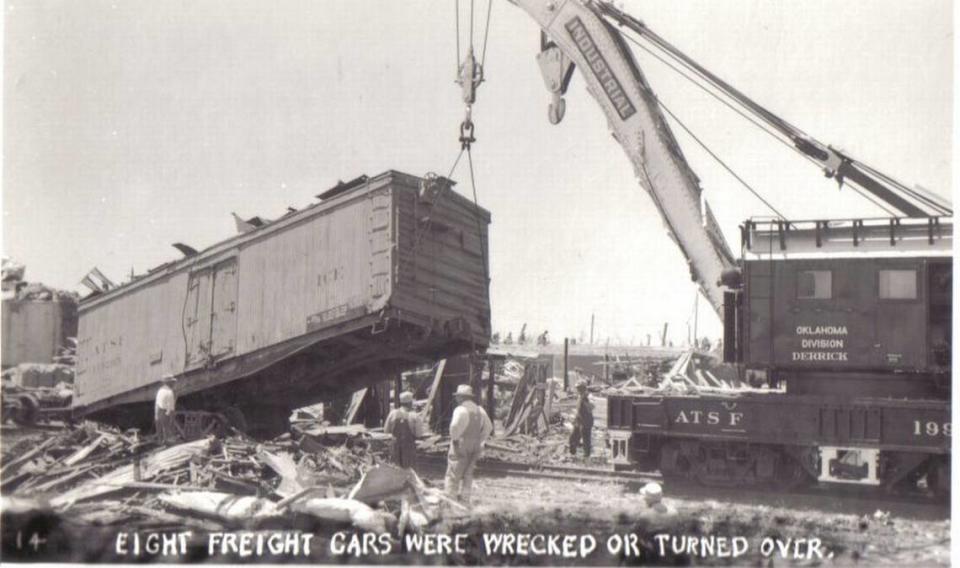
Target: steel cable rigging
x=843 y=168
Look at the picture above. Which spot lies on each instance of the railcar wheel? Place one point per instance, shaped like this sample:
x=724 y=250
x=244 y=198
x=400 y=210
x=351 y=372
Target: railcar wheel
x=27 y=411
x=235 y=418
x=938 y=478
x=673 y=464
x=789 y=473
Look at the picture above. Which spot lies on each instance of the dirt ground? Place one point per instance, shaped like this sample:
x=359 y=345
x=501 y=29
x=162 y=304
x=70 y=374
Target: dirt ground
x=519 y=515
x=774 y=534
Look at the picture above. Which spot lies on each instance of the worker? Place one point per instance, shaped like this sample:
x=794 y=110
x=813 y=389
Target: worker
x=405 y=426
x=469 y=429
x=582 y=422
x=164 y=409
x=652 y=495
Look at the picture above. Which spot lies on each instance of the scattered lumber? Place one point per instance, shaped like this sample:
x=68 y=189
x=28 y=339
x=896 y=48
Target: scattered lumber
x=100 y=475
x=150 y=467
x=226 y=507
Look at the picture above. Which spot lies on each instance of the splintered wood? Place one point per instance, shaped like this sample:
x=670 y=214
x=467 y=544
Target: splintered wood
x=530 y=410
x=100 y=475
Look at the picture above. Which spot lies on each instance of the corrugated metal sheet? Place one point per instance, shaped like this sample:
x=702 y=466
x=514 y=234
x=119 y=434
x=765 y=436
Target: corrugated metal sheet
x=329 y=264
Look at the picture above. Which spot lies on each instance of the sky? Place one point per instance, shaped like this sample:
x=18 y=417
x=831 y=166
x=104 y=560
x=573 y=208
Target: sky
x=128 y=126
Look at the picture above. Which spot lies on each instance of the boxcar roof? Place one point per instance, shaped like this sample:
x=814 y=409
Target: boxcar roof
x=848 y=238
x=335 y=197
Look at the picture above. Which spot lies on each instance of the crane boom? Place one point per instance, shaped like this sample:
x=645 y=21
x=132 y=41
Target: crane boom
x=579 y=35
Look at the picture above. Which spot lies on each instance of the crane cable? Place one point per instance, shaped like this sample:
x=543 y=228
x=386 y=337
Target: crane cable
x=476 y=215
x=486 y=34
x=466 y=141
x=719 y=160
x=762 y=127
x=772 y=120
x=467 y=137
x=456 y=19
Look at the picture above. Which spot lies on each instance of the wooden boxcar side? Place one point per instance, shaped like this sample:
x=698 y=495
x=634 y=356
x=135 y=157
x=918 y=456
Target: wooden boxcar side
x=354 y=261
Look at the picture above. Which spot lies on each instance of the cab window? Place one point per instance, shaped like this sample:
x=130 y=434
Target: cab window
x=898 y=284
x=814 y=285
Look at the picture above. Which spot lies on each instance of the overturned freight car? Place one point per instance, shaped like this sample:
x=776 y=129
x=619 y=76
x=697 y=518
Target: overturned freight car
x=383 y=274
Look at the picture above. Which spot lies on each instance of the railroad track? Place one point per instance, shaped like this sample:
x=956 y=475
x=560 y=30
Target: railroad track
x=852 y=500
x=547 y=471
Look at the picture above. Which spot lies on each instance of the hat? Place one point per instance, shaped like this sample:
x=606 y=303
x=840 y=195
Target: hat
x=581 y=385
x=652 y=492
x=464 y=390
x=406 y=397
x=168 y=378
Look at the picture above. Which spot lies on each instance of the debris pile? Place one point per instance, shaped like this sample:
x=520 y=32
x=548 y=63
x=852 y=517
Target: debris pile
x=533 y=425
x=41 y=375
x=37 y=292
x=26 y=405
x=531 y=411
x=99 y=475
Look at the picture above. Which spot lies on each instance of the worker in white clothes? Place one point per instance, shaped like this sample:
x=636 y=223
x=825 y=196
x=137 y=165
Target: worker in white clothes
x=405 y=426
x=163 y=411
x=652 y=494
x=469 y=429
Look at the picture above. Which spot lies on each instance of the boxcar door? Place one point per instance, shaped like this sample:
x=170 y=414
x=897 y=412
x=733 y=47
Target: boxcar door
x=223 y=316
x=196 y=318
x=900 y=314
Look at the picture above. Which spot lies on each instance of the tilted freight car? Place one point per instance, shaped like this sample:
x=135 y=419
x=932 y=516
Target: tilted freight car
x=848 y=326
x=381 y=275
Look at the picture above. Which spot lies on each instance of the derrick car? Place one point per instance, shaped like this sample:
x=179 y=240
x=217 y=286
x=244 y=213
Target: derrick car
x=843 y=330
x=383 y=274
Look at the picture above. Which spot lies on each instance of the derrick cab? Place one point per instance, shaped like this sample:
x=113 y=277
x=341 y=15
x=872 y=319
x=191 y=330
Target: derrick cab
x=856 y=307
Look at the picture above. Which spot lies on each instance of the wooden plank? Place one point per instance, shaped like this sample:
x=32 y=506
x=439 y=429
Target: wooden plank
x=85 y=451
x=62 y=479
x=355 y=403
x=30 y=454
x=434 y=388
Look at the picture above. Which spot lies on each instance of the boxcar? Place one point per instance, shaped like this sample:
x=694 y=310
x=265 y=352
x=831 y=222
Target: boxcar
x=382 y=274
x=845 y=329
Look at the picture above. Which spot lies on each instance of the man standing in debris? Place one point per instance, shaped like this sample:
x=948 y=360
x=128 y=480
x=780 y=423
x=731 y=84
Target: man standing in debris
x=163 y=411
x=582 y=422
x=469 y=429
x=405 y=426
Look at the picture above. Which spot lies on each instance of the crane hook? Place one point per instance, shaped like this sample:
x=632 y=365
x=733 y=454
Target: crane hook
x=466 y=133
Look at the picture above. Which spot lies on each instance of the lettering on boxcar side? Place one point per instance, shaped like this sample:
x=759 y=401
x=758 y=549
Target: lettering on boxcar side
x=931 y=428
x=337 y=314
x=708 y=417
x=821 y=343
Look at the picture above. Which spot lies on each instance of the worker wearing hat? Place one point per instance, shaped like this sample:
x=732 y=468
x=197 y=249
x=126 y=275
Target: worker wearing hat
x=652 y=495
x=469 y=429
x=582 y=422
x=405 y=426
x=163 y=410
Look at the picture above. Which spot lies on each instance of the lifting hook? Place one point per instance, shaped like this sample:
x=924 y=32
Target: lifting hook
x=556 y=70
x=466 y=132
